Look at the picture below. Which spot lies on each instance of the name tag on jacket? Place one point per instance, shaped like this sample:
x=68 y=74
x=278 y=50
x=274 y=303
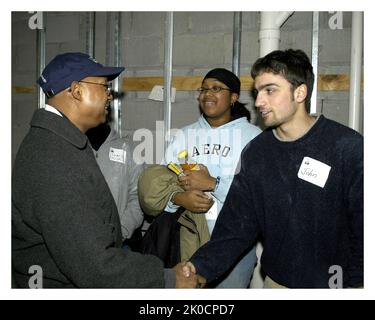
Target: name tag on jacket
x=314 y=171
x=117 y=155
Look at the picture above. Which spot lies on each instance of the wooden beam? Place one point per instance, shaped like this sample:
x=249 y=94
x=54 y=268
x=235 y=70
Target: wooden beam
x=333 y=82
x=20 y=89
x=326 y=82
x=181 y=83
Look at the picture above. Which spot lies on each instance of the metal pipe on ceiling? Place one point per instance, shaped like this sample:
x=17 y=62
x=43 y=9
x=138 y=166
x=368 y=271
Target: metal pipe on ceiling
x=269 y=33
x=41 y=54
x=90 y=33
x=314 y=61
x=237 y=30
x=356 y=71
x=113 y=57
x=116 y=82
x=168 y=52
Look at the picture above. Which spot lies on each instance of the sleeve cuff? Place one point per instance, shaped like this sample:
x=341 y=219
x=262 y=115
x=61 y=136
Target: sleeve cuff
x=171 y=207
x=169 y=278
x=220 y=191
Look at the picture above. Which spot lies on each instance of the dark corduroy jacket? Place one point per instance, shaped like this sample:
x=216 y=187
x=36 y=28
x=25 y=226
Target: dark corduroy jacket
x=64 y=218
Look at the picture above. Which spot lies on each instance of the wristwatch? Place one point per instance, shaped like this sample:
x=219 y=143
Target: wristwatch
x=217 y=183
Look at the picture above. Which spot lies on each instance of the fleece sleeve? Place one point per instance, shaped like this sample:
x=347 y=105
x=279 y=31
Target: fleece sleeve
x=235 y=230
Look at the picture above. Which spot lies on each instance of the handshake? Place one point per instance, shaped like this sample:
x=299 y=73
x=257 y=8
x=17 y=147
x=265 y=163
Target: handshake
x=186 y=276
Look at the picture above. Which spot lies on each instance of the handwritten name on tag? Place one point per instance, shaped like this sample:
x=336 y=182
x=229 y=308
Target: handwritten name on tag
x=314 y=171
x=117 y=155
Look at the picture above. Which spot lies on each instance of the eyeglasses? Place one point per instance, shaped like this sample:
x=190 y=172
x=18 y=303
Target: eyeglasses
x=107 y=86
x=212 y=89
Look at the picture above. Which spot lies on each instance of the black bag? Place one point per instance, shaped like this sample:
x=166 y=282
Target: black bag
x=162 y=238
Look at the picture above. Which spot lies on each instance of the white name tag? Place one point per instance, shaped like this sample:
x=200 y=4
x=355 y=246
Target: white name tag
x=117 y=155
x=212 y=213
x=314 y=171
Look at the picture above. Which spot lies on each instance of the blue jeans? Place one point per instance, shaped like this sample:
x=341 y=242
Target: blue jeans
x=240 y=275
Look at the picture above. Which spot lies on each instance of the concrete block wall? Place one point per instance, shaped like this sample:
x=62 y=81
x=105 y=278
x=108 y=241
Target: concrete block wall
x=65 y=33
x=202 y=41
x=23 y=74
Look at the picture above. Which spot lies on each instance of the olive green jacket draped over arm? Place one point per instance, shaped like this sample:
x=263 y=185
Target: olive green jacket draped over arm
x=155 y=187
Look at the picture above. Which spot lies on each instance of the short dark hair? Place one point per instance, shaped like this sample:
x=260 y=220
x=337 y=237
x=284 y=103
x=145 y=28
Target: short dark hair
x=293 y=65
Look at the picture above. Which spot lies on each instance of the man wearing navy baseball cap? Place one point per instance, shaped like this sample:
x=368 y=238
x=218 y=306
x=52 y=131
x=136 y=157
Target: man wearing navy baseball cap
x=66 y=231
x=77 y=86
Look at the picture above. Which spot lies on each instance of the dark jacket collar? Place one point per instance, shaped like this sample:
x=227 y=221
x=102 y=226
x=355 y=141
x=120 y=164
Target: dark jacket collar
x=61 y=126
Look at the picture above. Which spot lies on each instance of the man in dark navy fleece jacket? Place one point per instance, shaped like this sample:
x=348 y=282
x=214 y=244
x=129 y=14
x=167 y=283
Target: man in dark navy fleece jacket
x=300 y=188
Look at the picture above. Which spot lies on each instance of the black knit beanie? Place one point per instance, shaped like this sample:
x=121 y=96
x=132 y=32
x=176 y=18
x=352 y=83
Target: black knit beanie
x=227 y=77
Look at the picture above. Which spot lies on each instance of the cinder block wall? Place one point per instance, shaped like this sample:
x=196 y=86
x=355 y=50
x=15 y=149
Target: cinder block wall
x=202 y=41
x=23 y=74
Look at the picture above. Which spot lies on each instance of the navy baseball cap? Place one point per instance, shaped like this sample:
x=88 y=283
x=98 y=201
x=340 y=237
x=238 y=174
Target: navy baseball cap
x=72 y=66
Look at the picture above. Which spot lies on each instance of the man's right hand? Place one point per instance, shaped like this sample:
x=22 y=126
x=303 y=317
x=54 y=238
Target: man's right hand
x=188 y=269
x=188 y=279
